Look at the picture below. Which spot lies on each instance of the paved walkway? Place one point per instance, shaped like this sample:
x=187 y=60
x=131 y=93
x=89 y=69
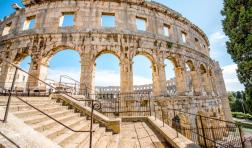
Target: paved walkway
x=139 y=135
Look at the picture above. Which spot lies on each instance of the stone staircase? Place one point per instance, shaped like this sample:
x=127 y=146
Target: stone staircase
x=132 y=135
x=53 y=130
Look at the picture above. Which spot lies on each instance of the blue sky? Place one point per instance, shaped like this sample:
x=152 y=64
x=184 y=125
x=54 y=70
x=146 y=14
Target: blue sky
x=203 y=13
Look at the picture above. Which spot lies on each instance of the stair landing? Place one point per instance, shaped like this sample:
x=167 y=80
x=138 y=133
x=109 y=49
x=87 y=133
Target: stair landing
x=140 y=135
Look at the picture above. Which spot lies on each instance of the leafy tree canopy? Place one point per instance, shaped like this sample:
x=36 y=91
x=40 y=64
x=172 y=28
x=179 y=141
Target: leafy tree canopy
x=238 y=27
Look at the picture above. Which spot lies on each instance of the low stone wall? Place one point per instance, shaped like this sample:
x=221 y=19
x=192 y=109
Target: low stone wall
x=111 y=124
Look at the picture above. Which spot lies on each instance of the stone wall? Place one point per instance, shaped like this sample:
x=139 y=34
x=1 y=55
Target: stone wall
x=186 y=43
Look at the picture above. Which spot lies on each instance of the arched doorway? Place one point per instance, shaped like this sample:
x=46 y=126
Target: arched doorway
x=192 y=79
x=63 y=70
x=142 y=74
x=21 y=84
x=203 y=79
x=189 y=85
x=107 y=73
x=170 y=77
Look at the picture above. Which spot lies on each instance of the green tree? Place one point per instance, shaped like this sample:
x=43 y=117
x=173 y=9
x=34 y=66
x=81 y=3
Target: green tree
x=237 y=26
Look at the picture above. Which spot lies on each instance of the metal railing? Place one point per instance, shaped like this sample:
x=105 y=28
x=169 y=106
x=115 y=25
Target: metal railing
x=14 y=91
x=124 y=104
x=201 y=129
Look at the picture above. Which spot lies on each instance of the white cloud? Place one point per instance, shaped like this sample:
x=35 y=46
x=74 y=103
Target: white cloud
x=217 y=44
x=230 y=77
x=217 y=37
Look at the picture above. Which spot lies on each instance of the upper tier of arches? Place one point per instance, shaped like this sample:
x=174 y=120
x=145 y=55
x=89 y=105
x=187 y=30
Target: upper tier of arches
x=159 y=23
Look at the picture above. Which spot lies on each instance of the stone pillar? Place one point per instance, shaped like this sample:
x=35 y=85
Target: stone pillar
x=162 y=79
x=195 y=83
x=212 y=81
x=220 y=85
x=87 y=74
x=180 y=81
x=38 y=70
x=126 y=76
x=6 y=75
x=156 y=90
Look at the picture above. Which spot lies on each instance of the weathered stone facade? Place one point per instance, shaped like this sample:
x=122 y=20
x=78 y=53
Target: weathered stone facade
x=185 y=45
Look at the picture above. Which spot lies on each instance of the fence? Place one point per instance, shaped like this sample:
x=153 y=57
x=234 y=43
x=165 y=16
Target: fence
x=203 y=130
x=127 y=104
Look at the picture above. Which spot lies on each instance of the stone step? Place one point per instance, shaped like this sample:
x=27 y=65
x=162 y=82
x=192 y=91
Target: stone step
x=114 y=141
x=32 y=112
x=22 y=107
x=41 y=117
x=48 y=124
x=30 y=100
x=103 y=141
x=96 y=136
x=58 y=131
x=72 y=139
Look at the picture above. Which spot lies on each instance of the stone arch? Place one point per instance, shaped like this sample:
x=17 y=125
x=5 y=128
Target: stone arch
x=106 y=51
x=205 y=80
x=20 y=56
x=202 y=69
x=189 y=73
x=112 y=53
x=171 y=65
x=174 y=60
x=147 y=54
x=156 y=88
x=190 y=64
x=50 y=52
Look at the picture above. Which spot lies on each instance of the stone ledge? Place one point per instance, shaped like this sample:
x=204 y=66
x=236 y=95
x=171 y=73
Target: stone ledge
x=112 y=124
x=168 y=133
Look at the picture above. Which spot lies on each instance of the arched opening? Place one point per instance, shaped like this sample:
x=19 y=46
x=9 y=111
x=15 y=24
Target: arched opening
x=21 y=77
x=170 y=77
x=188 y=69
x=191 y=79
x=107 y=73
x=62 y=70
x=203 y=78
x=142 y=74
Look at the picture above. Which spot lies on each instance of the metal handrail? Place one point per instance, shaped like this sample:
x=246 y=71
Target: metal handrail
x=48 y=114
x=10 y=94
x=11 y=141
x=37 y=78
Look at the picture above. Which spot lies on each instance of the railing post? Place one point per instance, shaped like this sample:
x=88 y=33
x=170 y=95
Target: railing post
x=9 y=98
x=91 y=124
x=240 y=132
x=149 y=102
x=174 y=114
x=155 y=112
x=162 y=114
x=203 y=131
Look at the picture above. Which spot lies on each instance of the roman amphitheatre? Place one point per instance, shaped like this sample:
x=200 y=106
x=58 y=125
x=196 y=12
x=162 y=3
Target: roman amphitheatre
x=191 y=110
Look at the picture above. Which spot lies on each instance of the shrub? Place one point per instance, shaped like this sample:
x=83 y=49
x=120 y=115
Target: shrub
x=241 y=115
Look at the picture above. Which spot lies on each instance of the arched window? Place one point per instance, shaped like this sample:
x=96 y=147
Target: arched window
x=107 y=73
x=142 y=71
